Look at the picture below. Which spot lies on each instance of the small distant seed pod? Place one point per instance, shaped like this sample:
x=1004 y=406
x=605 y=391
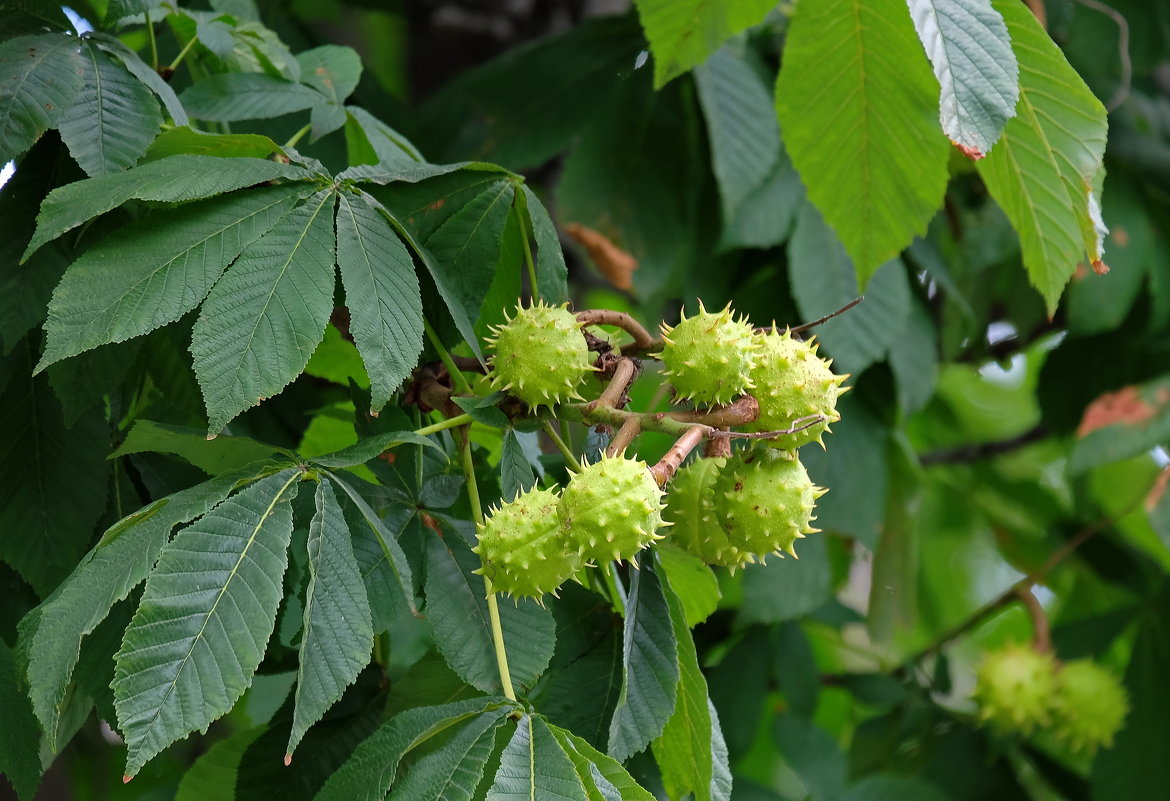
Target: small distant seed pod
x=1014 y=688
x=540 y=355
x=523 y=546
x=709 y=357
x=1089 y=705
x=792 y=382
x=691 y=507
x=611 y=509
x=764 y=501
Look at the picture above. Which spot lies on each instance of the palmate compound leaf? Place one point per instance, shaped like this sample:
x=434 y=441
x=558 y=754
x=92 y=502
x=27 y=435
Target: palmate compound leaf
x=858 y=112
x=535 y=765
x=204 y=619
x=371 y=770
x=143 y=72
x=337 y=635
x=40 y=75
x=603 y=776
x=113 y=118
x=382 y=293
x=453 y=771
x=156 y=269
x=1048 y=163
x=267 y=314
x=51 y=635
x=171 y=180
x=968 y=46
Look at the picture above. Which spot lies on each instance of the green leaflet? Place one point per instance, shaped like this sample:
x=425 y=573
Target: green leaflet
x=1125 y=438
x=457 y=613
x=267 y=314
x=142 y=71
x=551 y=272
x=156 y=269
x=337 y=635
x=20 y=759
x=214 y=456
x=204 y=619
x=857 y=106
x=535 y=766
x=382 y=293
x=370 y=447
x=233 y=96
x=968 y=45
x=369 y=141
x=650 y=662
x=683 y=33
x=215 y=772
x=603 y=776
x=185 y=140
x=334 y=71
x=813 y=754
x=40 y=75
x=171 y=180
x=516 y=474
x=1048 y=162
x=454 y=770
x=368 y=774
x=691 y=580
x=51 y=634
x=113 y=118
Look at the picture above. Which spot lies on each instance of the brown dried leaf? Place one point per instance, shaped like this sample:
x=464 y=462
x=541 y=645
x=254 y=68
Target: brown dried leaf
x=614 y=263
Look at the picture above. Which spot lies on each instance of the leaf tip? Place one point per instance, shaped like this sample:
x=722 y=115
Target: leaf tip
x=126 y=777
x=970 y=151
x=287 y=760
x=1100 y=267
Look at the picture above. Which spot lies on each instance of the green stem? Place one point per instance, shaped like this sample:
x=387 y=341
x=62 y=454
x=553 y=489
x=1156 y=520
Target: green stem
x=153 y=43
x=298 y=136
x=493 y=606
x=174 y=65
x=616 y=594
x=443 y=425
x=531 y=265
x=570 y=459
x=456 y=374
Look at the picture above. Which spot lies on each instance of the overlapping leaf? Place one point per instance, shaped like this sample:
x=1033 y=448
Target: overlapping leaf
x=683 y=34
x=603 y=777
x=267 y=314
x=113 y=117
x=857 y=106
x=233 y=96
x=551 y=272
x=40 y=75
x=969 y=48
x=452 y=772
x=1048 y=162
x=143 y=72
x=156 y=269
x=534 y=765
x=204 y=620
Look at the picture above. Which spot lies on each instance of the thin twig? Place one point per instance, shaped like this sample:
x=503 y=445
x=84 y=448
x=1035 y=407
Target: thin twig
x=562 y=446
x=625 y=435
x=827 y=317
x=615 y=391
x=1122 y=92
x=984 y=450
x=1041 y=632
x=668 y=465
x=642 y=338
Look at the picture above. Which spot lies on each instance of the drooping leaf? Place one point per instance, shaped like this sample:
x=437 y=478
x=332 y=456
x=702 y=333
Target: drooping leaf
x=1048 y=161
x=452 y=772
x=156 y=269
x=20 y=759
x=170 y=180
x=113 y=117
x=234 y=96
x=338 y=634
x=204 y=619
x=52 y=478
x=188 y=141
x=857 y=106
x=458 y=615
x=369 y=773
x=368 y=140
x=382 y=293
x=741 y=125
x=516 y=474
x=534 y=765
x=824 y=280
x=40 y=75
x=143 y=72
x=370 y=447
x=395 y=559
x=684 y=34
x=51 y=635
x=551 y=272
x=213 y=456
x=650 y=662
x=968 y=46
x=686 y=750
x=603 y=776
x=264 y=318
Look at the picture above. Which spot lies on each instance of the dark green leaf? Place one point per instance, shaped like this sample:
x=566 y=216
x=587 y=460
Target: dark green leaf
x=215 y=772
x=795 y=669
x=395 y=559
x=894 y=788
x=551 y=272
x=157 y=269
x=332 y=70
x=143 y=72
x=213 y=456
x=452 y=772
x=171 y=180
x=52 y=634
x=516 y=475
x=603 y=776
x=483 y=409
x=785 y=589
x=1128 y=422
x=91 y=376
x=371 y=141
x=119 y=9
x=40 y=76
x=204 y=620
x=20 y=759
x=458 y=615
x=857 y=106
x=650 y=662
x=814 y=755
x=382 y=294
x=112 y=119
x=914 y=359
x=337 y=635
x=233 y=96
x=267 y=314
x=535 y=765
x=371 y=448
x=683 y=33
x=738 y=685
x=188 y=141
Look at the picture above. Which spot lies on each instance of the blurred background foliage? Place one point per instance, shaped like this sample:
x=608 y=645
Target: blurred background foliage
x=981 y=436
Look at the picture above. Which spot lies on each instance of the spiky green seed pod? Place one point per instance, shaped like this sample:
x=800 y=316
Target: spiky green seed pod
x=792 y=382
x=1089 y=705
x=1014 y=688
x=611 y=509
x=765 y=501
x=541 y=355
x=690 y=506
x=709 y=357
x=523 y=546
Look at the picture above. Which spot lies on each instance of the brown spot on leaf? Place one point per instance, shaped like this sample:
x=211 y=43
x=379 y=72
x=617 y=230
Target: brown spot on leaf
x=614 y=263
x=48 y=106
x=1158 y=490
x=430 y=523
x=438 y=204
x=969 y=151
x=1125 y=406
x=388 y=458
x=1119 y=237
